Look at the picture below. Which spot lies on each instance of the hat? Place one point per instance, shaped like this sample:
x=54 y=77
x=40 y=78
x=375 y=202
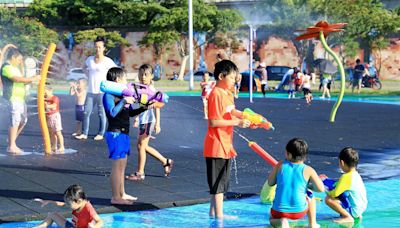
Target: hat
x=262 y=64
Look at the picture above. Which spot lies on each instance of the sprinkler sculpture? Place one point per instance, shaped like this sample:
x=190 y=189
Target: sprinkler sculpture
x=320 y=31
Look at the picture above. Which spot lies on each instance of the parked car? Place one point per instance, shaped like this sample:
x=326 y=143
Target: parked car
x=276 y=73
x=76 y=74
x=198 y=76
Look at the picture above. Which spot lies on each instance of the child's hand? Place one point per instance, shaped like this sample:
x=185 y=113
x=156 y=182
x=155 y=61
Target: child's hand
x=136 y=123
x=157 y=129
x=43 y=202
x=244 y=123
x=323 y=176
x=129 y=100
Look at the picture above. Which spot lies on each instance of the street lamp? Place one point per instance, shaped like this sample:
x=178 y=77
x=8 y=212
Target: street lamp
x=190 y=44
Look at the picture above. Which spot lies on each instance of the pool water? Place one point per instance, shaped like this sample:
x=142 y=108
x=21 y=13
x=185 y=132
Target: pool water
x=383 y=211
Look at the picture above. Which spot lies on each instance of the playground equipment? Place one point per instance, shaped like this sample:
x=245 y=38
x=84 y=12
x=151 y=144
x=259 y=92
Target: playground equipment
x=320 y=31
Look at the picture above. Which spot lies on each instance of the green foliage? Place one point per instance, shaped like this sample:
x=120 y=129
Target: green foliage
x=369 y=23
x=170 y=26
x=95 y=13
x=30 y=35
x=112 y=38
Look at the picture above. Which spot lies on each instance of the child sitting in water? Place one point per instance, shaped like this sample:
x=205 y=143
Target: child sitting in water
x=291 y=177
x=352 y=182
x=84 y=215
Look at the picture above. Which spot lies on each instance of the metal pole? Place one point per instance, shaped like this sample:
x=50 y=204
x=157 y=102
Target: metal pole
x=190 y=46
x=251 y=64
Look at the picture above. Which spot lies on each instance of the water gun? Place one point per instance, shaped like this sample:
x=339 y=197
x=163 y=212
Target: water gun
x=330 y=185
x=257 y=119
x=142 y=93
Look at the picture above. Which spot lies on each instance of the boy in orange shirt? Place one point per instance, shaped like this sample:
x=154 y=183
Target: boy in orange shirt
x=218 y=148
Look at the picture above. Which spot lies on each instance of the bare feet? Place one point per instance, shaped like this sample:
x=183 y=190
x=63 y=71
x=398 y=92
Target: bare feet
x=344 y=220
x=121 y=201
x=14 y=150
x=61 y=150
x=315 y=225
x=129 y=197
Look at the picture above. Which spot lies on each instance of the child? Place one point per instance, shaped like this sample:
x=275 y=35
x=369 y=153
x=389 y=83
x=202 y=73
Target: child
x=306 y=85
x=83 y=213
x=53 y=118
x=238 y=82
x=291 y=177
x=118 y=110
x=79 y=90
x=148 y=122
x=218 y=147
x=206 y=87
x=352 y=182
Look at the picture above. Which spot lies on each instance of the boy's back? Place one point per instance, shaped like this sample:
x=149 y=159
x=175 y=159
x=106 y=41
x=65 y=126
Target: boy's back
x=291 y=188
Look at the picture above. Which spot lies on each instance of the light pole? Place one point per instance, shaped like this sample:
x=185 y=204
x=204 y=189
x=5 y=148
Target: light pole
x=190 y=45
x=251 y=63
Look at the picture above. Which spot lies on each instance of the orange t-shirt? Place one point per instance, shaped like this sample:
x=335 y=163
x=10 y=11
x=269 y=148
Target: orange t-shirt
x=218 y=141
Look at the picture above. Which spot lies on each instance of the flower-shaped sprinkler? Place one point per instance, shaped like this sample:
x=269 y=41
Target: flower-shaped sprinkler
x=320 y=31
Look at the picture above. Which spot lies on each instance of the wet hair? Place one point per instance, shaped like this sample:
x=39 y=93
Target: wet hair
x=224 y=67
x=100 y=39
x=349 y=156
x=298 y=149
x=358 y=61
x=143 y=68
x=74 y=193
x=13 y=52
x=114 y=73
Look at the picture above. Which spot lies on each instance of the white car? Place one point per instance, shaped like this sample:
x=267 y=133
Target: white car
x=76 y=74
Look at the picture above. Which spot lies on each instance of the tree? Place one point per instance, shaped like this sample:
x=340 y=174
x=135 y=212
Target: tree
x=112 y=38
x=369 y=24
x=30 y=35
x=99 y=13
x=171 y=26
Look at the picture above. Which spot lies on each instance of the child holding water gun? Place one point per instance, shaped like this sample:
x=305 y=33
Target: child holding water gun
x=83 y=213
x=206 y=87
x=79 y=91
x=218 y=147
x=118 y=110
x=291 y=177
x=352 y=182
x=148 y=122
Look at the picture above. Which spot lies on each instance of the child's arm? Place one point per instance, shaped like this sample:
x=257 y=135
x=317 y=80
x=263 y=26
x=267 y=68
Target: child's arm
x=272 y=175
x=317 y=184
x=342 y=185
x=113 y=109
x=45 y=202
x=226 y=123
x=98 y=220
x=157 y=128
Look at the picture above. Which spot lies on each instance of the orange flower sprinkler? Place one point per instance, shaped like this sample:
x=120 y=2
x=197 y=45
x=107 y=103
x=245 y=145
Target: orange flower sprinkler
x=320 y=31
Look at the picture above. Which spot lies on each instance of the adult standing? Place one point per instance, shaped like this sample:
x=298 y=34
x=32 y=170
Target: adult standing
x=359 y=70
x=14 y=91
x=96 y=68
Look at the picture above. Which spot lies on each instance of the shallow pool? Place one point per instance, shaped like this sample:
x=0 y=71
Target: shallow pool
x=383 y=211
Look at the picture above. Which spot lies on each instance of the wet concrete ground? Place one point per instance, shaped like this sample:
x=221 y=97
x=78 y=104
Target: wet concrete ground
x=373 y=129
